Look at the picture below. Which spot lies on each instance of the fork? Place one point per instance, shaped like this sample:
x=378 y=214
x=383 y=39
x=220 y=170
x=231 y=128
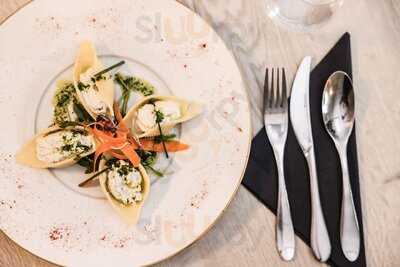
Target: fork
x=276 y=125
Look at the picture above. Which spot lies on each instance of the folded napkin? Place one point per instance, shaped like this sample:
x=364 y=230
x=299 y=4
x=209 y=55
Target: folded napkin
x=261 y=176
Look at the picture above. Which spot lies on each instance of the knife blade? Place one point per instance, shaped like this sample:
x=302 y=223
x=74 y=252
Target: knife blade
x=301 y=122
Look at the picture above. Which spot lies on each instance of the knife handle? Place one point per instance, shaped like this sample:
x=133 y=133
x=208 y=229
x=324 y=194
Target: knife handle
x=320 y=242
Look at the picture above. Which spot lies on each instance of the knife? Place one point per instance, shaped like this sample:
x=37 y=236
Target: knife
x=301 y=122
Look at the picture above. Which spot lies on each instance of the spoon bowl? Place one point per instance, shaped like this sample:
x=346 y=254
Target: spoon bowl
x=338 y=106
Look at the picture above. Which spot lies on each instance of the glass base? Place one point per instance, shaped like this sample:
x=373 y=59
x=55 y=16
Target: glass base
x=301 y=15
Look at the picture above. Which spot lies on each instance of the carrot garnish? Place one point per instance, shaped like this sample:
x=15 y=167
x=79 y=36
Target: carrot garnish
x=118 y=142
x=131 y=154
x=170 y=146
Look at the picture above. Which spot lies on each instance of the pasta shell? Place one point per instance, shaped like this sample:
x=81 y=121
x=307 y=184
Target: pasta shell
x=189 y=110
x=87 y=60
x=130 y=214
x=28 y=153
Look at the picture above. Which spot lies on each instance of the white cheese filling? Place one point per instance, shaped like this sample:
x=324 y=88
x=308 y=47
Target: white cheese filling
x=125 y=183
x=90 y=94
x=71 y=112
x=62 y=145
x=146 y=115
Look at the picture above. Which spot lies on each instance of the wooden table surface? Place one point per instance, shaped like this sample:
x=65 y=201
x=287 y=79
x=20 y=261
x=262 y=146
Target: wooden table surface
x=245 y=234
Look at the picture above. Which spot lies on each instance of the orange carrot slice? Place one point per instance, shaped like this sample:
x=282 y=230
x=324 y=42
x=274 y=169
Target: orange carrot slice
x=171 y=146
x=130 y=153
x=104 y=147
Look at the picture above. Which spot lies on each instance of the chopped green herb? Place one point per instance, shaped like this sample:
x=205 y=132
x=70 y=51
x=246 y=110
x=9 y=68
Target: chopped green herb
x=112 y=162
x=63 y=99
x=82 y=86
x=148 y=159
x=159 y=116
x=67 y=147
x=159 y=119
x=82 y=147
x=64 y=96
x=101 y=77
x=139 y=85
x=87 y=162
x=124 y=170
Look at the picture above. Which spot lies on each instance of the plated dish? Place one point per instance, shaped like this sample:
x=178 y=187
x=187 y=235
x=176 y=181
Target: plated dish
x=117 y=146
x=44 y=210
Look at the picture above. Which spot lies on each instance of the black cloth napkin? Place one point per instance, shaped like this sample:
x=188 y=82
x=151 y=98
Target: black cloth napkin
x=261 y=176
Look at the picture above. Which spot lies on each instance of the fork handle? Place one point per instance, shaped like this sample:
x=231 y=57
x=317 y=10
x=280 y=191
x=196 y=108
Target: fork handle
x=284 y=227
x=320 y=242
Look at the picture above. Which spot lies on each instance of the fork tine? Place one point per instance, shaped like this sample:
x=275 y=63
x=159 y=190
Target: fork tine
x=272 y=91
x=284 y=89
x=266 y=90
x=278 y=90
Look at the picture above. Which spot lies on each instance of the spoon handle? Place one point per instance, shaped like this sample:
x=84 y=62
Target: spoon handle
x=320 y=242
x=349 y=230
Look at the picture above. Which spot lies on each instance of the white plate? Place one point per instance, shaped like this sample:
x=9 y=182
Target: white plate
x=171 y=47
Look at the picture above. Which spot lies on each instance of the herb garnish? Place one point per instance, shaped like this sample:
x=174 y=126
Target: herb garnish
x=163 y=138
x=156 y=172
x=135 y=84
x=67 y=147
x=82 y=86
x=148 y=159
x=159 y=116
x=159 y=119
x=93 y=176
x=109 y=68
x=81 y=113
x=126 y=93
x=86 y=162
x=83 y=147
x=124 y=170
x=63 y=98
x=112 y=162
x=129 y=84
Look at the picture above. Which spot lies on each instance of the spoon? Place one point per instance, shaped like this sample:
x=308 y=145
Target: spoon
x=338 y=116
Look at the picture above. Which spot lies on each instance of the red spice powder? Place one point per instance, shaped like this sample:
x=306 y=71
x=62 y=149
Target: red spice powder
x=55 y=234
